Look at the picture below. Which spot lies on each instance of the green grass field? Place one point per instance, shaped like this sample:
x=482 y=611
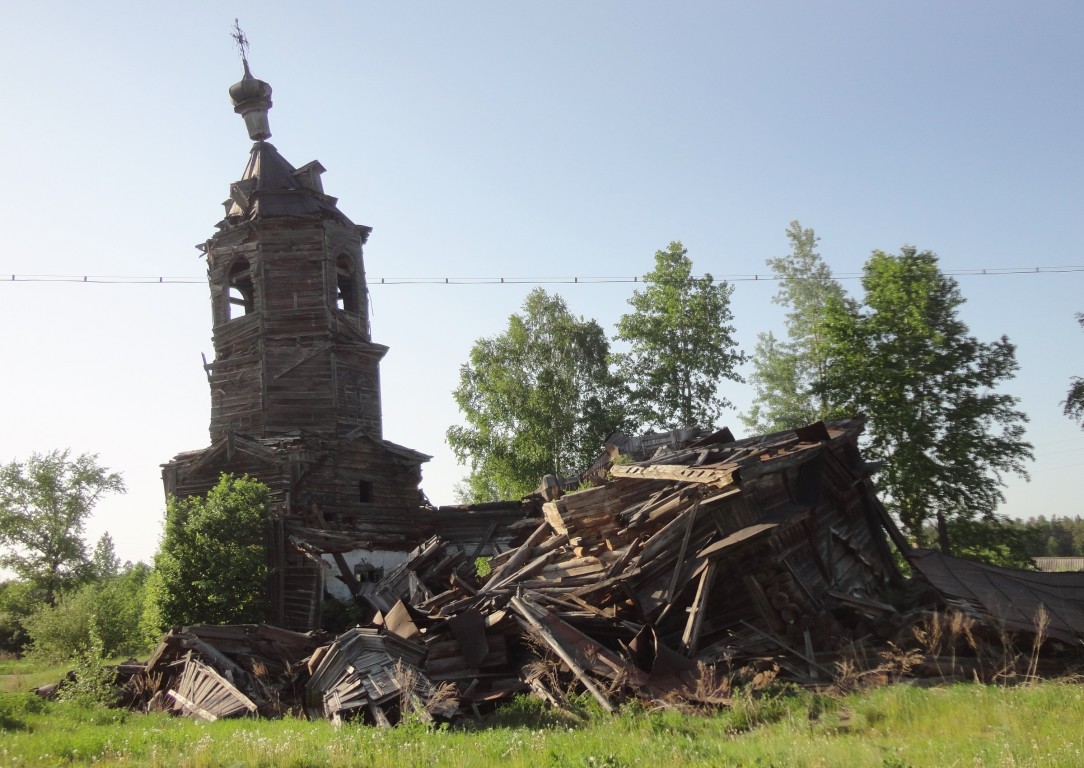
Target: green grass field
x=960 y=725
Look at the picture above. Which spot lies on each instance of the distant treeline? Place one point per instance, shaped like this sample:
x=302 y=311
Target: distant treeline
x=1014 y=543
x=1051 y=536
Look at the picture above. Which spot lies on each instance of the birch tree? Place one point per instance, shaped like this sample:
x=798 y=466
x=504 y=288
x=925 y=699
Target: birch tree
x=45 y=503
x=537 y=399
x=681 y=345
x=789 y=374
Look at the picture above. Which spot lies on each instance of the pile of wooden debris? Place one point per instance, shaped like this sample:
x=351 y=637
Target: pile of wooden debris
x=680 y=569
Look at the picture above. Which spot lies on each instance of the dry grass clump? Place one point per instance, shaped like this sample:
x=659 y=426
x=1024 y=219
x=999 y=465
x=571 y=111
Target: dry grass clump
x=419 y=698
x=949 y=647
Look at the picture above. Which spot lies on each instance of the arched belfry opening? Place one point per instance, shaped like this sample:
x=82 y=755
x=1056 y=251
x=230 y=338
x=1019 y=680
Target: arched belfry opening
x=348 y=291
x=240 y=290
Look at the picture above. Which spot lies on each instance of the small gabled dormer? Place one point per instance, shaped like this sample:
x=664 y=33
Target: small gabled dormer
x=309 y=174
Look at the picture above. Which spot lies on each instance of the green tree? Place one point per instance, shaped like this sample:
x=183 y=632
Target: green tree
x=1074 y=399
x=44 y=505
x=119 y=603
x=681 y=345
x=104 y=563
x=929 y=388
x=211 y=565
x=789 y=375
x=997 y=540
x=537 y=399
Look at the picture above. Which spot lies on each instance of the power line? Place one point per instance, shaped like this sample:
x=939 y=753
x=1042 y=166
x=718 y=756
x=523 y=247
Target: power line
x=738 y=278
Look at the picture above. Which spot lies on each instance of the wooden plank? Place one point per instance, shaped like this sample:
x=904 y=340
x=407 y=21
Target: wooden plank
x=785 y=647
x=690 y=639
x=519 y=558
x=191 y=706
x=746 y=534
x=718 y=478
x=680 y=562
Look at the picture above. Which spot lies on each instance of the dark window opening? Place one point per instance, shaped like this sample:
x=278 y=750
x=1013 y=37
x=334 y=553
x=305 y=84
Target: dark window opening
x=367 y=573
x=242 y=295
x=346 y=297
x=365 y=489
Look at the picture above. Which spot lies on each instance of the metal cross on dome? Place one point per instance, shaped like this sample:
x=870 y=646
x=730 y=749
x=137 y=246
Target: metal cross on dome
x=241 y=41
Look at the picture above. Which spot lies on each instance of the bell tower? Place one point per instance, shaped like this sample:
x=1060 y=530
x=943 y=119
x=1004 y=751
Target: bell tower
x=289 y=304
x=295 y=379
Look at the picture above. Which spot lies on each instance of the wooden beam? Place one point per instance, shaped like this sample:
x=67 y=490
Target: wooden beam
x=719 y=478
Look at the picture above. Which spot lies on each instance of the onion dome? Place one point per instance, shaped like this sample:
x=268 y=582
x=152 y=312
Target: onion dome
x=251 y=100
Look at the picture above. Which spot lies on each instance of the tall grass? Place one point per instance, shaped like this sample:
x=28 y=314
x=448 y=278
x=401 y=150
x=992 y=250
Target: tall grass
x=963 y=724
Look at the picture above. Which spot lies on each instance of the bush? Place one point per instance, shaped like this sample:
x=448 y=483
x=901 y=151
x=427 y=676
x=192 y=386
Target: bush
x=18 y=601
x=94 y=681
x=212 y=564
x=15 y=708
x=62 y=631
x=106 y=615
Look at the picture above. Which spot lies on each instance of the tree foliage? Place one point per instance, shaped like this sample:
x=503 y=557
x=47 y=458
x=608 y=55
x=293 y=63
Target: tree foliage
x=103 y=617
x=104 y=562
x=18 y=602
x=995 y=539
x=537 y=399
x=211 y=566
x=929 y=388
x=681 y=345
x=44 y=506
x=1074 y=398
x=1053 y=537
x=789 y=374
x=1015 y=542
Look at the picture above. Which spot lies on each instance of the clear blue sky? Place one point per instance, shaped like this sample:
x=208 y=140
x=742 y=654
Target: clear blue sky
x=495 y=139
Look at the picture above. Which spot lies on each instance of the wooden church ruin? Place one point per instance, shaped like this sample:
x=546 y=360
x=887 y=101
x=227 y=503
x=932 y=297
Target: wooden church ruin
x=695 y=553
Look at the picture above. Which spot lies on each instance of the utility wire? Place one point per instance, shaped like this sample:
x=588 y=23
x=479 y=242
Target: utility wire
x=765 y=278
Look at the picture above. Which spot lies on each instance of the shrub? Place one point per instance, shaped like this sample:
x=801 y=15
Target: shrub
x=106 y=615
x=15 y=708
x=18 y=601
x=211 y=566
x=93 y=681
